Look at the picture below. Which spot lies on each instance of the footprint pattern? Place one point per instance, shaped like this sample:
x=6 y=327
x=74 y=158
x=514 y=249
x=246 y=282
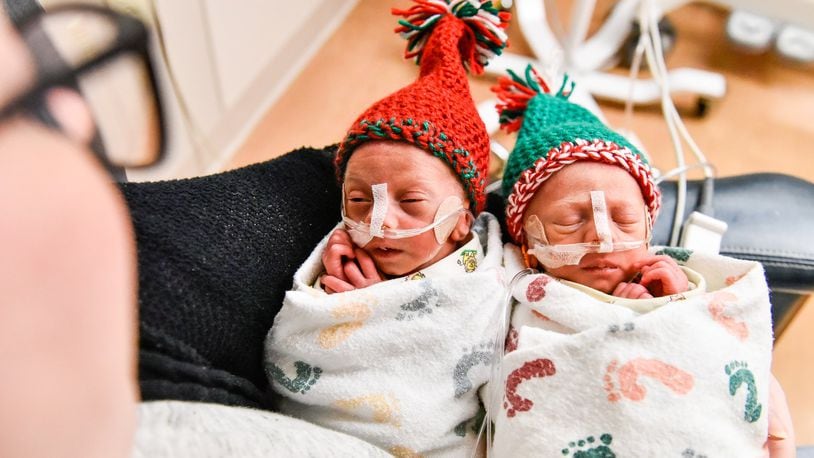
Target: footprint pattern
x=352 y=315
x=690 y=453
x=307 y=376
x=627 y=375
x=381 y=408
x=717 y=309
x=681 y=255
x=401 y=451
x=511 y=340
x=731 y=280
x=536 y=289
x=473 y=424
x=739 y=374
x=626 y=327
x=421 y=305
x=590 y=447
x=481 y=354
x=537 y=368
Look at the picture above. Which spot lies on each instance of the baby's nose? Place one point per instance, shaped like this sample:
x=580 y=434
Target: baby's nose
x=390 y=220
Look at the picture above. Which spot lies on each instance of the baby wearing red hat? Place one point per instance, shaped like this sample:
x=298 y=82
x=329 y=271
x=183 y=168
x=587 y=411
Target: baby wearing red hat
x=387 y=332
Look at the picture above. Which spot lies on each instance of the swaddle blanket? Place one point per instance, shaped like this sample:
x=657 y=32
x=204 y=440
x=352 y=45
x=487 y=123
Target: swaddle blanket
x=590 y=378
x=398 y=363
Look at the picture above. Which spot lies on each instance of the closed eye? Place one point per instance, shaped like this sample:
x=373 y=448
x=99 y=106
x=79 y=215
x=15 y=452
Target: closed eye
x=568 y=224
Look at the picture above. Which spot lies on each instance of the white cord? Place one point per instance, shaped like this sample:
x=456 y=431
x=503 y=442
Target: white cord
x=648 y=23
x=674 y=172
x=699 y=155
x=650 y=45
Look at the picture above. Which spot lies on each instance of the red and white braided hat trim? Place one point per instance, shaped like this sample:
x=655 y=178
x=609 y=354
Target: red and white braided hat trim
x=567 y=153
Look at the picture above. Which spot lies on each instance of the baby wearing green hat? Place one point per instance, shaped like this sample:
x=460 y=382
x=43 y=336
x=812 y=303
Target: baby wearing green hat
x=616 y=348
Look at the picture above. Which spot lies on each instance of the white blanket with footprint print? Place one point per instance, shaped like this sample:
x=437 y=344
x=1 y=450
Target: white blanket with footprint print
x=398 y=363
x=688 y=379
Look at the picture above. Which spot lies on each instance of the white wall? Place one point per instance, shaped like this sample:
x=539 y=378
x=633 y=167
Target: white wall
x=228 y=61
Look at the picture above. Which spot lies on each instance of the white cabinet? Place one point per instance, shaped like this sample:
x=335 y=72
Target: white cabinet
x=228 y=61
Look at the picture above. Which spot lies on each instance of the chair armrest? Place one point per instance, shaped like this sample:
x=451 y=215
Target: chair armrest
x=770 y=218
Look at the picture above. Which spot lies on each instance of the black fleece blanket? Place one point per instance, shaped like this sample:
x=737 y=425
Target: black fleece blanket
x=215 y=257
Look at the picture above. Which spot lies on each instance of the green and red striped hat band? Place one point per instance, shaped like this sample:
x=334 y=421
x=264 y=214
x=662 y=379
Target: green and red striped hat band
x=567 y=153
x=468 y=167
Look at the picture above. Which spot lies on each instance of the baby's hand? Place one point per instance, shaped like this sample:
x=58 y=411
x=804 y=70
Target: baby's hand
x=662 y=276
x=346 y=266
x=363 y=272
x=338 y=250
x=339 y=245
x=631 y=291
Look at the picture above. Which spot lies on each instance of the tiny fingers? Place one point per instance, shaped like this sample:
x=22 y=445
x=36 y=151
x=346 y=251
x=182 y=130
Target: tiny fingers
x=367 y=265
x=333 y=284
x=631 y=291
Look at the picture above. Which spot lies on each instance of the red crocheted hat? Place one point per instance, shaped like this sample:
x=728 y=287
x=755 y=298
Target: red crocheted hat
x=436 y=112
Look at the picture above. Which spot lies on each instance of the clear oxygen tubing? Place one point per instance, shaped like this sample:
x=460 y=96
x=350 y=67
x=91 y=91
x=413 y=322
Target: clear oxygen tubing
x=556 y=256
x=496 y=368
x=362 y=233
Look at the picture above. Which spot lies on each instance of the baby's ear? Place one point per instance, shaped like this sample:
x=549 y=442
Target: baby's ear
x=462 y=227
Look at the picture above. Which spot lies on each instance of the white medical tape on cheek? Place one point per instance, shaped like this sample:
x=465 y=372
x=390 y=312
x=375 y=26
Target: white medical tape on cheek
x=603 y=232
x=534 y=229
x=443 y=230
x=380 y=201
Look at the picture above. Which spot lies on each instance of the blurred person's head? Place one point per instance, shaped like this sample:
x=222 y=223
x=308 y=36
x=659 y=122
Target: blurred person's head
x=67 y=274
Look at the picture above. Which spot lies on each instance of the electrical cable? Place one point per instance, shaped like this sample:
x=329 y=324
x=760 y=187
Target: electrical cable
x=686 y=168
x=650 y=46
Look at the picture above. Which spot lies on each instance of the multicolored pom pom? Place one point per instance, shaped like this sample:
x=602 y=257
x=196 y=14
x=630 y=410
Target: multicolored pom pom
x=486 y=22
x=515 y=93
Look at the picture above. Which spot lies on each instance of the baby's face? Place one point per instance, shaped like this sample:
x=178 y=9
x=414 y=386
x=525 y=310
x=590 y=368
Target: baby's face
x=417 y=183
x=563 y=205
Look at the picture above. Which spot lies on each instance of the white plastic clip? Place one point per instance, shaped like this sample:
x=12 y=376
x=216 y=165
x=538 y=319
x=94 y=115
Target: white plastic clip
x=703 y=233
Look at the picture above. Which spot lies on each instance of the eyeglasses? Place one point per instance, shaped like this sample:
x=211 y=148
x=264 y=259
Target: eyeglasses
x=105 y=55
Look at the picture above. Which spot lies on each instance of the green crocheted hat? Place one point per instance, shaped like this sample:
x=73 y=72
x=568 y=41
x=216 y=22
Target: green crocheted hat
x=554 y=133
x=436 y=112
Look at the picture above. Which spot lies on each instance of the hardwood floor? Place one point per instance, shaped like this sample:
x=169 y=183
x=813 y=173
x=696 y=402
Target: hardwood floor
x=764 y=123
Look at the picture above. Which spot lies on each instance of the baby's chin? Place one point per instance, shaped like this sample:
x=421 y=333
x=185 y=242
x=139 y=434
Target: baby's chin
x=603 y=286
x=393 y=268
